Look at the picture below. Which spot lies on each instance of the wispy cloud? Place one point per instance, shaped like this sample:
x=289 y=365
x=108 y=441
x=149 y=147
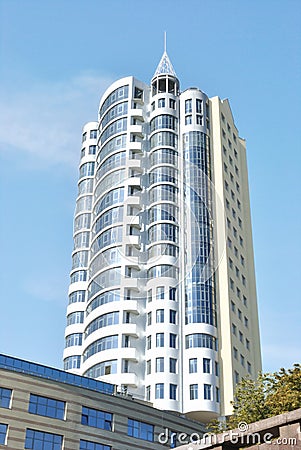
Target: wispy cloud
x=44 y=122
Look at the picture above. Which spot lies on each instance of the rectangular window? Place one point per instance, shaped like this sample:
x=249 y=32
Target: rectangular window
x=199 y=119
x=188 y=106
x=140 y=430
x=173 y=392
x=193 y=390
x=249 y=367
x=235 y=352
x=160 y=293
x=149 y=318
x=93 y=134
x=96 y=418
x=39 y=440
x=159 y=390
x=216 y=364
x=172 y=316
x=148 y=366
x=89 y=445
x=193 y=365
x=206 y=365
x=236 y=377
x=188 y=120
x=5 y=397
x=160 y=315
x=172 y=340
x=172 y=365
x=3 y=433
x=161 y=103
x=149 y=295
x=172 y=294
x=172 y=103
x=160 y=340
x=217 y=395
x=159 y=364
x=242 y=360
x=247 y=344
x=148 y=342
x=207 y=391
x=148 y=393
x=44 y=406
x=198 y=106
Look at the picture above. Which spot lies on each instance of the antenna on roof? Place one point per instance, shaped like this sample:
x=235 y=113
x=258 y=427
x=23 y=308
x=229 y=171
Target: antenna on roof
x=164 y=41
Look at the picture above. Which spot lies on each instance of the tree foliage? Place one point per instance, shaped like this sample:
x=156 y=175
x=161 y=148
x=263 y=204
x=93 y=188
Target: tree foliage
x=270 y=394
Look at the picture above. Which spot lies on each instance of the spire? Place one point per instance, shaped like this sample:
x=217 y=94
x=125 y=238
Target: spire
x=165 y=66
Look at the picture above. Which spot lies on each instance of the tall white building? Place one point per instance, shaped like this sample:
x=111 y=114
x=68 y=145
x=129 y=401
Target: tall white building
x=162 y=300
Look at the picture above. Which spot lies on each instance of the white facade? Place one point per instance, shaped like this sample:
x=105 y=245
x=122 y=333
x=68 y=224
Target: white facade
x=162 y=300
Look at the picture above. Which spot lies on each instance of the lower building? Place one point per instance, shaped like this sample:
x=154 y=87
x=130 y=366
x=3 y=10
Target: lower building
x=42 y=408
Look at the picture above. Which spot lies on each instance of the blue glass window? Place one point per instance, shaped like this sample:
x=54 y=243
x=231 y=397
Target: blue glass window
x=173 y=391
x=5 y=397
x=159 y=391
x=3 y=433
x=207 y=391
x=140 y=430
x=44 y=406
x=39 y=440
x=72 y=362
x=98 y=419
x=89 y=445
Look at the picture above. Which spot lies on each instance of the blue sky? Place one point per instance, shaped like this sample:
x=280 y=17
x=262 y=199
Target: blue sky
x=57 y=57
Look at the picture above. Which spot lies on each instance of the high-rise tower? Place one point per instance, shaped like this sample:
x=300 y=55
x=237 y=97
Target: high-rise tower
x=162 y=300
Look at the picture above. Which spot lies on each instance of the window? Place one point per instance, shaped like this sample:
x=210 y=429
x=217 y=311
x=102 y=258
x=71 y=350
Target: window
x=188 y=120
x=72 y=362
x=235 y=352
x=201 y=340
x=159 y=364
x=198 y=106
x=172 y=340
x=239 y=314
x=172 y=103
x=44 y=406
x=3 y=433
x=39 y=440
x=241 y=337
x=89 y=445
x=160 y=315
x=172 y=294
x=188 y=106
x=148 y=342
x=206 y=365
x=216 y=365
x=246 y=322
x=149 y=318
x=193 y=365
x=231 y=284
x=193 y=389
x=249 y=367
x=140 y=430
x=149 y=295
x=148 y=367
x=5 y=397
x=160 y=340
x=232 y=306
x=148 y=393
x=153 y=106
x=199 y=119
x=93 y=134
x=161 y=103
x=236 y=377
x=247 y=344
x=160 y=293
x=159 y=390
x=172 y=316
x=173 y=391
x=172 y=365
x=217 y=395
x=95 y=418
x=84 y=137
x=234 y=329
x=242 y=360
x=245 y=300
x=207 y=391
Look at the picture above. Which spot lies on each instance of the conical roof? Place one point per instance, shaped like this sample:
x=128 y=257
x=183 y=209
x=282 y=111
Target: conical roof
x=165 y=66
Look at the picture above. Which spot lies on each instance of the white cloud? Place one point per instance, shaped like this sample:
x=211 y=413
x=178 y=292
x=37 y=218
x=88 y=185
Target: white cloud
x=44 y=122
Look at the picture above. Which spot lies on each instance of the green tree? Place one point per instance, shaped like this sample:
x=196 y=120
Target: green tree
x=267 y=396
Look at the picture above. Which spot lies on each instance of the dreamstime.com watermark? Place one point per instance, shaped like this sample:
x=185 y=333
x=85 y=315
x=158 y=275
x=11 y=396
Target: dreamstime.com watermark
x=238 y=436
